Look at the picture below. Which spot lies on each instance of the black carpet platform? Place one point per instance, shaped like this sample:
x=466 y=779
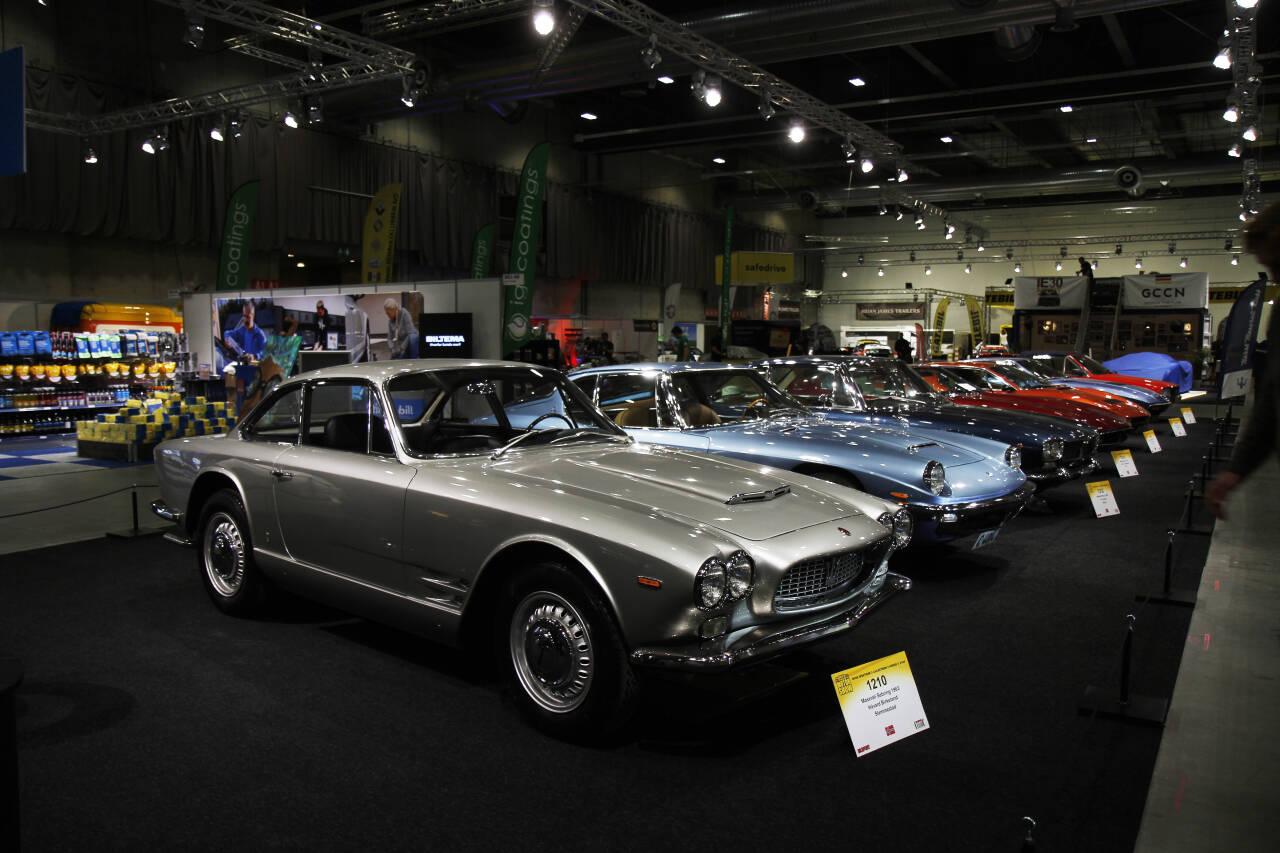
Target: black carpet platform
x=148 y=720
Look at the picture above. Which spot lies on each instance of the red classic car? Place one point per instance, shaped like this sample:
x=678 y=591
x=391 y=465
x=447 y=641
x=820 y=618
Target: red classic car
x=968 y=385
x=1078 y=364
x=1026 y=382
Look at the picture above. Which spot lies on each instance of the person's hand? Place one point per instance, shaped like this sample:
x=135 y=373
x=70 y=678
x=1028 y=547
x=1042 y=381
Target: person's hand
x=1215 y=496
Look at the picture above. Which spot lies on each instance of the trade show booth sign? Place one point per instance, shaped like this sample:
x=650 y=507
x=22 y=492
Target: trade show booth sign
x=1031 y=292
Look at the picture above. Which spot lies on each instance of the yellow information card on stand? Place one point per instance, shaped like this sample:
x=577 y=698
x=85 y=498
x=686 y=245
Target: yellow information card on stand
x=1152 y=441
x=1125 y=466
x=1178 y=428
x=1188 y=415
x=1104 y=500
x=880 y=703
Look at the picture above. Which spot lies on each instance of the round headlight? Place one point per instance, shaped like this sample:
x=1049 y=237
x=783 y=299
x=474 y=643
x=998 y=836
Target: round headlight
x=1013 y=456
x=902 y=528
x=935 y=477
x=886 y=519
x=739 y=574
x=709 y=585
x=1053 y=450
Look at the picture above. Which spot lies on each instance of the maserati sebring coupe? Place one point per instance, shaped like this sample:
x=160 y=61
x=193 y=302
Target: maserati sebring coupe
x=403 y=492
x=1086 y=367
x=884 y=391
x=954 y=485
x=967 y=386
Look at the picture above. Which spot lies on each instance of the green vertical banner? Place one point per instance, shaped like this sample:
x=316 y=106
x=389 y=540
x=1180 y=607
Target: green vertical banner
x=726 y=276
x=525 y=238
x=237 y=238
x=482 y=252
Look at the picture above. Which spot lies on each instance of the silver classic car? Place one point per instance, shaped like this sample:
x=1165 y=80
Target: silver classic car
x=490 y=503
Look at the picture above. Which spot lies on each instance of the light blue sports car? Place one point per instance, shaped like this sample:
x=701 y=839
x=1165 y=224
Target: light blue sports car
x=954 y=485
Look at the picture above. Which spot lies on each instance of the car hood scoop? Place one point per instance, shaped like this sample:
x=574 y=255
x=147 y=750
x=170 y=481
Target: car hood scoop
x=739 y=498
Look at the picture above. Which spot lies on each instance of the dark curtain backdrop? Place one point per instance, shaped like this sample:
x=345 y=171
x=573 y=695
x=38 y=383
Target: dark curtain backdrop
x=179 y=197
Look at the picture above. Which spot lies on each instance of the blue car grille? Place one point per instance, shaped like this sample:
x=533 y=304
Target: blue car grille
x=818 y=581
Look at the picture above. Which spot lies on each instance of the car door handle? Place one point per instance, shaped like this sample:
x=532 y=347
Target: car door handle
x=281 y=475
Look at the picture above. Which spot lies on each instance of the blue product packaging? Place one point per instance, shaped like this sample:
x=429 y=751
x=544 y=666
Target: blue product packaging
x=82 y=345
x=113 y=346
x=44 y=345
x=26 y=343
x=8 y=344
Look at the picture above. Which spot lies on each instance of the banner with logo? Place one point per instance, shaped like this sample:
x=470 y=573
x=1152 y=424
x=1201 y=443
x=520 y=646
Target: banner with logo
x=939 y=320
x=379 y=245
x=13 y=112
x=525 y=238
x=758 y=267
x=237 y=238
x=482 y=252
x=976 y=330
x=1031 y=292
x=889 y=311
x=1176 y=290
x=1238 y=337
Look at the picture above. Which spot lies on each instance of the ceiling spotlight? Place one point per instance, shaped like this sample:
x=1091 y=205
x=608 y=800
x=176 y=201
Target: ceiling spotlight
x=912 y=256
x=944 y=138
x=666 y=79
x=1183 y=263
x=1246 y=4
x=194 y=35
x=883 y=208
x=217 y=133
x=844 y=273
x=847 y=148
x=1231 y=113
x=649 y=56
x=861 y=259
x=796 y=132
x=960 y=255
x=968 y=268
x=409 y=93
x=712 y=94
x=589 y=116
x=981 y=247
x=866 y=165
x=928 y=270
x=1058 y=266
x=290 y=120
x=1119 y=249
x=1066 y=108
x=544 y=16
x=920 y=226
x=235 y=126
x=1017 y=267
x=897 y=213
x=1235 y=150
x=155 y=143
x=1093 y=265
x=315 y=110
x=719 y=161
x=1249 y=134
x=1008 y=254
x=1223 y=58
x=880 y=272
x=766 y=107
x=1235 y=260
x=1062 y=251
x=951 y=229
x=903 y=177
x=1137 y=265
x=1173 y=247
x=857 y=81
x=90 y=156
x=1091 y=139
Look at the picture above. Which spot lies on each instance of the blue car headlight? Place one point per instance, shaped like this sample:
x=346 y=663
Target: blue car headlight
x=935 y=477
x=1013 y=456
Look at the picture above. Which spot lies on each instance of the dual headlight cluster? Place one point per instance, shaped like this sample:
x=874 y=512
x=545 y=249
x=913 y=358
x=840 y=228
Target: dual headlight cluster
x=723 y=580
x=1053 y=449
x=900 y=524
x=1013 y=456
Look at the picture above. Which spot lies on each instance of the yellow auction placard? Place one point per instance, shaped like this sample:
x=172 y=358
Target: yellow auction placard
x=1178 y=428
x=880 y=703
x=1152 y=441
x=1104 y=500
x=1125 y=466
x=1188 y=415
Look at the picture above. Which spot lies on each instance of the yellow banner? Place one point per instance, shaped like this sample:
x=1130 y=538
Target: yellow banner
x=976 y=331
x=379 y=245
x=939 y=319
x=759 y=268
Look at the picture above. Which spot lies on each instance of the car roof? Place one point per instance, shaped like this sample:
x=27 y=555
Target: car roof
x=662 y=367
x=381 y=371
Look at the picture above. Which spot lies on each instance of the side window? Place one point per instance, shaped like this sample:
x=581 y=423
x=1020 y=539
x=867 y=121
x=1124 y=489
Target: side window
x=345 y=415
x=279 y=421
x=629 y=399
x=587 y=385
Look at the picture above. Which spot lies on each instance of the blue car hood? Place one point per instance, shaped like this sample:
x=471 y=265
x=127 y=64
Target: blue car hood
x=1025 y=428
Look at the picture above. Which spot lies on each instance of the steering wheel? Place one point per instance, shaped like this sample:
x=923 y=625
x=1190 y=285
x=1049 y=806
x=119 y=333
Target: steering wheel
x=755 y=409
x=540 y=418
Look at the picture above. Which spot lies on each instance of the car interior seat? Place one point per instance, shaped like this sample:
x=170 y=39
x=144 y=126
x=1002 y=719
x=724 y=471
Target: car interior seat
x=348 y=431
x=638 y=414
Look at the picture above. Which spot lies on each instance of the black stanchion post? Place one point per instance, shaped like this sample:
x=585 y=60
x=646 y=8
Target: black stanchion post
x=1028 y=843
x=1188 y=513
x=10 y=678
x=136 y=530
x=1126 y=706
x=1169 y=595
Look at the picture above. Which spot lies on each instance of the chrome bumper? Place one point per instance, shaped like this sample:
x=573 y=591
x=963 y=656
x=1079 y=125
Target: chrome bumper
x=179 y=532
x=1047 y=477
x=766 y=640
x=946 y=514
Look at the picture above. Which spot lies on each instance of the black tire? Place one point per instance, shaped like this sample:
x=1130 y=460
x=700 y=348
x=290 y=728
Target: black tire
x=224 y=554
x=580 y=686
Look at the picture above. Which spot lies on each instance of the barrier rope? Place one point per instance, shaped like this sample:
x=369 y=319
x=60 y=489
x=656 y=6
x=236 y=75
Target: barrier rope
x=82 y=500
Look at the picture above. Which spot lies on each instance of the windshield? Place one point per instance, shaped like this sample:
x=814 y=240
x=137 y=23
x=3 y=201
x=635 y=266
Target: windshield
x=479 y=409
x=816 y=385
x=1017 y=375
x=1092 y=364
x=890 y=379
x=706 y=397
x=977 y=379
x=1042 y=368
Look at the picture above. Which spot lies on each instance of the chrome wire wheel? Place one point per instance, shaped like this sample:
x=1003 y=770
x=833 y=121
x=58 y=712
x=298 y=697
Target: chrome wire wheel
x=551 y=651
x=223 y=551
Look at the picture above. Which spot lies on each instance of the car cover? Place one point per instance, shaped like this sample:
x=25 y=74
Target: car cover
x=1153 y=365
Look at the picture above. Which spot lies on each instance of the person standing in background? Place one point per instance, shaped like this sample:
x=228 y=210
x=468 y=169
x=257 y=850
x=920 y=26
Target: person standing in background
x=680 y=344
x=1259 y=437
x=247 y=338
x=402 y=337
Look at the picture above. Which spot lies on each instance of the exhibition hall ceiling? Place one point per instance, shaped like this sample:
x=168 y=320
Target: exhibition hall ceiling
x=978 y=101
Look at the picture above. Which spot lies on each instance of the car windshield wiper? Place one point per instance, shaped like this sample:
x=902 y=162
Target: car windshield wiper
x=519 y=438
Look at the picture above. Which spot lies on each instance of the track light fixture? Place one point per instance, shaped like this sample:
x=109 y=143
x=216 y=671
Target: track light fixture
x=1249 y=134
x=1137 y=265
x=649 y=56
x=960 y=255
x=194 y=35
x=156 y=142
x=919 y=222
x=290 y=120
x=897 y=213
x=1008 y=254
x=903 y=177
x=1062 y=251
x=544 y=17
x=880 y=272
x=1057 y=265
x=847 y=148
x=1235 y=150
x=766 y=108
x=90 y=156
x=866 y=164
x=861 y=259
x=1223 y=58
x=235 y=126
x=912 y=256
x=1017 y=267
x=711 y=95
x=1173 y=247
x=217 y=133
x=981 y=247
x=315 y=110
x=1119 y=249
x=1183 y=263
x=1231 y=113
x=796 y=132
x=951 y=229
x=844 y=273
x=928 y=270
x=968 y=268
x=1235 y=260
x=882 y=209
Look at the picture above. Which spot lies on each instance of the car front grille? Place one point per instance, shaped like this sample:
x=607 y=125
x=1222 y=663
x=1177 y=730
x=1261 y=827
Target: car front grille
x=825 y=579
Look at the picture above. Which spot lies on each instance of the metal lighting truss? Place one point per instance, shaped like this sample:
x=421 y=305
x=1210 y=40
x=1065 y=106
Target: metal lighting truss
x=442 y=15
x=1246 y=76
x=853 y=244
x=564 y=33
x=365 y=61
x=638 y=19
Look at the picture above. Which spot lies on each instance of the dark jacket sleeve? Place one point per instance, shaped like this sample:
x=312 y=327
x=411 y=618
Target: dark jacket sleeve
x=1258 y=436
